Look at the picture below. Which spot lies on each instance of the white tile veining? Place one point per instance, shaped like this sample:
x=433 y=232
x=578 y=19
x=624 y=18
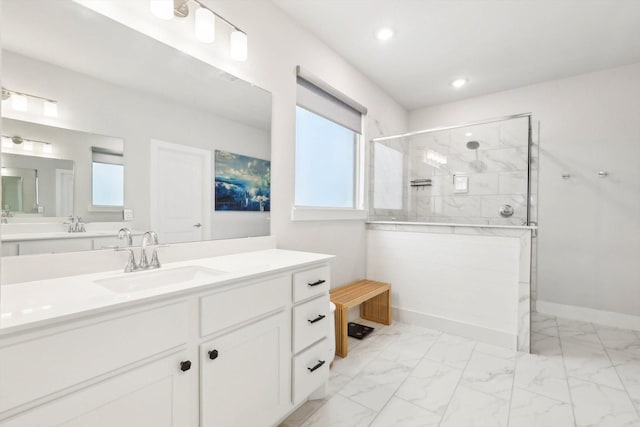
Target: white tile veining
x=579 y=374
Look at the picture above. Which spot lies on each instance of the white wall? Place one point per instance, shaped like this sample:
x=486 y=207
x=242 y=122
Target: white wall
x=276 y=45
x=589 y=239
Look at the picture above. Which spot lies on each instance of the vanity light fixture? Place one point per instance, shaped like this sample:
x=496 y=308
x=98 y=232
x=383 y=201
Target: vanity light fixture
x=458 y=83
x=162 y=9
x=385 y=33
x=205 y=23
x=20 y=102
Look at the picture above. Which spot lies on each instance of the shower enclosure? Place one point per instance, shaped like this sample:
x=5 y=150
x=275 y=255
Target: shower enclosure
x=482 y=173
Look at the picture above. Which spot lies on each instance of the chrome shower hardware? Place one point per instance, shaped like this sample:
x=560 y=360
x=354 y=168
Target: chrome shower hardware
x=506 y=211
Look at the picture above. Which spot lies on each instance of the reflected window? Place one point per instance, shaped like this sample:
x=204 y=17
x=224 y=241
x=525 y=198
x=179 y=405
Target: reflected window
x=107 y=178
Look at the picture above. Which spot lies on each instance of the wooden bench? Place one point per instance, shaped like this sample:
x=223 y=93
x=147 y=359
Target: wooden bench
x=374 y=299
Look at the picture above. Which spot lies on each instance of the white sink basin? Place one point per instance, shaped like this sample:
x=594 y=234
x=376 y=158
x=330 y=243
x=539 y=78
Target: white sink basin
x=144 y=280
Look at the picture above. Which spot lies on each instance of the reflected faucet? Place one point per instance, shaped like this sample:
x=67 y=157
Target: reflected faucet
x=144 y=263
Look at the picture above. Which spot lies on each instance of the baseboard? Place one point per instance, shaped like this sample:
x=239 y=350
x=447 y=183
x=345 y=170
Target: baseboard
x=478 y=333
x=585 y=314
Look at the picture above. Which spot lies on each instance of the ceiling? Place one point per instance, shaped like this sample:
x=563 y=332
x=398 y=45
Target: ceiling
x=495 y=44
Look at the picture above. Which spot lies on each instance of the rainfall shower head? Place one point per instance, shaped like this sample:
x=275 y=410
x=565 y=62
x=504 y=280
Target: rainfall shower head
x=473 y=145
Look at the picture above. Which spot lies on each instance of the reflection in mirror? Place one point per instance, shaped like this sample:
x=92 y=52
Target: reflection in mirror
x=168 y=112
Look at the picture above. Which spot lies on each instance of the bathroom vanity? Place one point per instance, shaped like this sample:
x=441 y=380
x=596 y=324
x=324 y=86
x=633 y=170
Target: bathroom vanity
x=235 y=340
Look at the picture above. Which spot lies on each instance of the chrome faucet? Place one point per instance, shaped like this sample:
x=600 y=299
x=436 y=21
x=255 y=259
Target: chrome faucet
x=148 y=238
x=125 y=233
x=75 y=225
x=5 y=215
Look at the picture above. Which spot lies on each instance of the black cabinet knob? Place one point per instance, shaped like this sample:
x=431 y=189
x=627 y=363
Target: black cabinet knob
x=185 y=366
x=213 y=354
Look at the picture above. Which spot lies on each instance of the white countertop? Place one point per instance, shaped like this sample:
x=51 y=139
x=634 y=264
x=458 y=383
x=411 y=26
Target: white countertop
x=54 y=235
x=39 y=303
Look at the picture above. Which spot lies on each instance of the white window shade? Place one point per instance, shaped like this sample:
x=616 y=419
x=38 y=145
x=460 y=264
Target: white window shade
x=102 y=155
x=318 y=97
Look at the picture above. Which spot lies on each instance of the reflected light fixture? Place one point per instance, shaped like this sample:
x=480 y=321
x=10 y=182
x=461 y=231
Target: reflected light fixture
x=162 y=9
x=239 y=45
x=205 y=23
x=18 y=142
x=458 y=83
x=385 y=33
x=50 y=108
x=19 y=101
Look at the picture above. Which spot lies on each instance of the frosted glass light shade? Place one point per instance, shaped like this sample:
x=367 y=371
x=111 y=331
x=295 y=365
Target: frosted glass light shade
x=239 y=46
x=19 y=102
x=162 y=9
x=205 y=25
x=50 y=108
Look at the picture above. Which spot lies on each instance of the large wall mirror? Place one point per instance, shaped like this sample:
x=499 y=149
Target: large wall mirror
x=104 y=123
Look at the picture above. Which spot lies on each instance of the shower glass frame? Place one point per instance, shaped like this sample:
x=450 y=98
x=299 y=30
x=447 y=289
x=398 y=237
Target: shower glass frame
x=530 y=217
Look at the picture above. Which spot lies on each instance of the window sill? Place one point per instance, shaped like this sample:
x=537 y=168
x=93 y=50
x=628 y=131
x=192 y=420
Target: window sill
x=94 y=208
x=308 y=213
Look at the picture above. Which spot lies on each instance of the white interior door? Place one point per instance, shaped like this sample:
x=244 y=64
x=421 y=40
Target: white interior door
x=181 y=184
x=64 y=193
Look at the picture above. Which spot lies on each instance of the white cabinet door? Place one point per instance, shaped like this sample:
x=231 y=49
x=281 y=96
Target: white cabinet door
x=246 y=375
x=158 y=394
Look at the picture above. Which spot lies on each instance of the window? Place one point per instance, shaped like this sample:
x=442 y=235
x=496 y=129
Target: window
x=328 y=166
x=107 y=178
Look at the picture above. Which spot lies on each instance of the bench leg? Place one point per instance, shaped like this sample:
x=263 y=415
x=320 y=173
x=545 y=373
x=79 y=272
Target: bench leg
x=377 y=309
x=342 y=342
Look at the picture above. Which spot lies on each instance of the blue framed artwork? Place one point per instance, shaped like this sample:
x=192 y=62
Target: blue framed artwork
x=242 y=183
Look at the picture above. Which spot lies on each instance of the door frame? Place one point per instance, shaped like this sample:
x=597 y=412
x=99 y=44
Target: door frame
x=207 y=178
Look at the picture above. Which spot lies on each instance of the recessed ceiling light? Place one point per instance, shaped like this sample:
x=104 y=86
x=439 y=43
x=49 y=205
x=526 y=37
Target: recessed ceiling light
x=468 y=134
x=385 y=33
x=458 y=83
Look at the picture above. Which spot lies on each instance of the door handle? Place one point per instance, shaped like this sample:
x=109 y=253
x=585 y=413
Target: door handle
x=198 y=225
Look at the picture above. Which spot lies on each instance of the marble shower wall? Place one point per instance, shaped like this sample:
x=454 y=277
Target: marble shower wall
x=496 y=173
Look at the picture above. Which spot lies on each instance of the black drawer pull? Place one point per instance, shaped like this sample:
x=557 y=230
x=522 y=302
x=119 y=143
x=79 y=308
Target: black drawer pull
x=317 y=319
x=319 y=282
x=185 y=366
x=213 y=354
x=318 y=365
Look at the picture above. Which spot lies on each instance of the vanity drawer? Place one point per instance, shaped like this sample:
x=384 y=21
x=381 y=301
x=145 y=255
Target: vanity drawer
x=307 y=284
x=34 y=369
x=310 y=322
x=310 y=370
x=224 y=309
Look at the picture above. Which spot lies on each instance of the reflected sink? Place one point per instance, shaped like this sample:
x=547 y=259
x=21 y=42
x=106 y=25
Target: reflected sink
x=144 y=280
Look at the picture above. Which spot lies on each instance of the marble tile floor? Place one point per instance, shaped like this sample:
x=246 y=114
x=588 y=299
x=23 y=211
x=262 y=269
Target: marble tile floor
x=580 y=374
